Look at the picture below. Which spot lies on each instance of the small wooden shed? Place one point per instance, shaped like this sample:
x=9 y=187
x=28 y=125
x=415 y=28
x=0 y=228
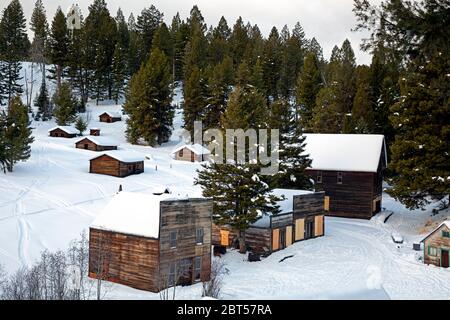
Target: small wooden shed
x=96 y=144
x=349 y=168
x=151 y=242
x=63 y=132
x=117 y=163
x=191 y=153
x=94 y=132
x=301 y=218
x=110 y=117
x=437 y=246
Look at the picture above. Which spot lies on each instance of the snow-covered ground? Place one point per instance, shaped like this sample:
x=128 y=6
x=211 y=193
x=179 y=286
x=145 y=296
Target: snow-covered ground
x=50 y=199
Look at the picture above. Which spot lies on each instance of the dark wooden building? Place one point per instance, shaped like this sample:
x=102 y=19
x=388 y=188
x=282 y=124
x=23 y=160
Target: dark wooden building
x=349 y=169
x=151 y=242
x=117 y=163
x=95 y=144
x=94 y=132
x=110 y=117
x=63 y=132
x=301 y=218
x=437 y=246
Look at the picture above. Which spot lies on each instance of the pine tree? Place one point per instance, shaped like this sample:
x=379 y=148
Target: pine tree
x=238 y=41
x=42 y=102
x=81 y=125
x=308 y=85
x=272 y=59
x=148 y=101
x=326 y=117
x=147 y=23
x=58 y=46
x=293 y=160
x=195 y=98
x=219 y=44
x=65 y=105
x=180 y=34
x=119 y=72
x=14 y=46
x=362 y=112
x=16 y=134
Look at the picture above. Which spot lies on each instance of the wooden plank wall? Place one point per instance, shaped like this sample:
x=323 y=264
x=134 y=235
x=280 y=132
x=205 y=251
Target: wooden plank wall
x=125 y=171
x=353 y=198
x=184 y=217
x=128 y=260
x=105 y=165
x=92 y=146
x=436 y=240
x=216 y=238
x=258 y=239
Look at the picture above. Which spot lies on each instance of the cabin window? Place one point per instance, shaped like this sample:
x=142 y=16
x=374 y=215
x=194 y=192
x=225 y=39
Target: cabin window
x=339 y=177
x=172 y=271
x=319 y=176
x=446 y=234
x=432 y=251
x=197 y=268
x=199 y=236
x=173 y=239
x=180 y=153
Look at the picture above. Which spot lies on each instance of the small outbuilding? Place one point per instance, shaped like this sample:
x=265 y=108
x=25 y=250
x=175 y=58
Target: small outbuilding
x=301 y=217
x=110 y=117
x=63 y=132
x=117 y=163
x=437 y=246
x=151 y=242
x=191 y=153
x=94 y=132
x=96 y=144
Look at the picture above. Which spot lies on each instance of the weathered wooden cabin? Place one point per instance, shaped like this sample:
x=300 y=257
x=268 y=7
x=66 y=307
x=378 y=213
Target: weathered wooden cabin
x=96 y=144
x=191 y=153
x=437 y=246
x=63 y=132
x=151 y=242
x=110 y=117
x=349 y=168
x=301 y=218
x=94 y=132
x=117 y=163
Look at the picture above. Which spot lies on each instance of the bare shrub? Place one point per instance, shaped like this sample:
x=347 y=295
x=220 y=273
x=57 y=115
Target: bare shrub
x=213 y=287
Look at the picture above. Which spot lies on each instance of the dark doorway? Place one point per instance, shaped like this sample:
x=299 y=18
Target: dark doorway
x=86 y=146
x=309 y=230
x=377 y=206
x=282 y=238
x=192 y=157
x=185 y=271
x=444 y=259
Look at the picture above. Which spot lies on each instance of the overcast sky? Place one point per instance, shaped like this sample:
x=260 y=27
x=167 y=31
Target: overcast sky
x=330 y=21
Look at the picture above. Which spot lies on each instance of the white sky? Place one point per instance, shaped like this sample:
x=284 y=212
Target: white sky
x=330 y=21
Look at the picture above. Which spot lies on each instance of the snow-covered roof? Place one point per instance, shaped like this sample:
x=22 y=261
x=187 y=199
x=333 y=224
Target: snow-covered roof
x=123 y=156
x=100 y=141
x=445 y=223
x=345 y=152
x=195 y=148
x=66 y=129
x=286 y=205
x=112 y=114
x=131 y=213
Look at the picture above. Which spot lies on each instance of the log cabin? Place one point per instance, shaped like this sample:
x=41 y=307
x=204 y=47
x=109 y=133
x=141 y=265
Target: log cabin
x=63 y=132
x=151 y=242
x=349 y=169
x=117 y=163
x=301 y=217
x=96 y=144
x=437 y=246
x=94 y=132
x=191 y=153
x=110 y=117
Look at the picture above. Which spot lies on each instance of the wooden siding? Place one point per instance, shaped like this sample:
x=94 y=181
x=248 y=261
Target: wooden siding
x=288 y=236
x=113 y=167
x=87 y=144
x=127 y=259
x=58 y=133
x=353 y=198
x=319 y=226
x=436 y=240
x=299 y=229
x=216 y=236
x=275 y=239
x=184 y=218
x=258 y=239
x=188 y=154
x=108 y=119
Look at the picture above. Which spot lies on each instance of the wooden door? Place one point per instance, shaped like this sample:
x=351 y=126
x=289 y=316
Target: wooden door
x=318 y=223
x=224 y=237
x=309 y=229
x=288 y=236
x=282 y=238
x=444 y=258
x=275 y=239
x=192 y=157
x=326 y=203
x=299 y=229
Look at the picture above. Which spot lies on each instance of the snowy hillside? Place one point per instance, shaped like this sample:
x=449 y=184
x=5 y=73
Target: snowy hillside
x=50 y=199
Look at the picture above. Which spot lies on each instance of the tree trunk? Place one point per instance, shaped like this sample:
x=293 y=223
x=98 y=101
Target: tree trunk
x=242 y=245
